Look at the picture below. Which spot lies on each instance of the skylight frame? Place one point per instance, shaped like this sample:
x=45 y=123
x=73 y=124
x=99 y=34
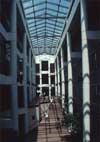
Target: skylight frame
x=46 y=20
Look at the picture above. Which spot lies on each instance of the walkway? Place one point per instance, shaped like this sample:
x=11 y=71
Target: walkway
x=50 y=130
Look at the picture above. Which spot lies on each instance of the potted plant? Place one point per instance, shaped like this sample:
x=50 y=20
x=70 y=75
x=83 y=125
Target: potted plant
x=71 y=122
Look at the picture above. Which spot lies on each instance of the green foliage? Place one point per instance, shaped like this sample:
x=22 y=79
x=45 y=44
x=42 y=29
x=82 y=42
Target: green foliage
x=71 y=122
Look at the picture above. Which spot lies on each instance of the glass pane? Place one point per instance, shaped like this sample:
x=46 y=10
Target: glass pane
x=44 y=27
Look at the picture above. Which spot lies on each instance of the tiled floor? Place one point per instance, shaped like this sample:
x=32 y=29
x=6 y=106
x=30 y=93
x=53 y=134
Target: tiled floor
x=50 y=130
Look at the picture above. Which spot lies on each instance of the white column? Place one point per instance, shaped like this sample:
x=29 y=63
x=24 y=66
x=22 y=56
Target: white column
x=63 y=78
x=14 y=68
x=58 y=74
x=55 y=80
x=70 y=78
x=49 y=77
x=40 y=78
x=86 y=74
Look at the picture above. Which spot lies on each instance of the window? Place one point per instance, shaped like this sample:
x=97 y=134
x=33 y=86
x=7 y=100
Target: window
x=52 y=79
x=44 y=78
x=5 y=98
x=5 y=56
x=93 y=10
x=20 y=32
x=44 y=65
x=5 y=12
x=52 y=68
x=53 y=91
x=20 y=70
x=20 y=97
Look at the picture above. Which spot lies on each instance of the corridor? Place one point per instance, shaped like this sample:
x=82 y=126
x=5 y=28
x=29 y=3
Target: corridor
x=51 y=130
x=49 y=49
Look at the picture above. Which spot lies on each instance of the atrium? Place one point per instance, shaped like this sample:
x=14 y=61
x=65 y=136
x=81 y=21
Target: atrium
x=49 y=70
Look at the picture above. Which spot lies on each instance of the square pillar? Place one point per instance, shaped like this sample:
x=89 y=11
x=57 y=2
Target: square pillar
x=14 y=96
x=49 y=77
x=25 y=71
x=40 y=78
x=25 y=82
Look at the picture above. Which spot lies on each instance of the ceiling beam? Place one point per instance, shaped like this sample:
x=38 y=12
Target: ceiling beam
x=46 y=36
x=47 y=17
x=45 y=47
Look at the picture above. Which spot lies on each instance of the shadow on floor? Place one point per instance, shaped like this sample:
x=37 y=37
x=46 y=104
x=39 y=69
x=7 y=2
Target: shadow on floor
x=30 y=137
x=50 y=130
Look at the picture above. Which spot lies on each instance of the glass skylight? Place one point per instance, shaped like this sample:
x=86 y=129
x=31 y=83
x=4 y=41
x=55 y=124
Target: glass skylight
x=45 y=20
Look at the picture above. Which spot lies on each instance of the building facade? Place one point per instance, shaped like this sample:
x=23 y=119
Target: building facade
x=17 y=71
